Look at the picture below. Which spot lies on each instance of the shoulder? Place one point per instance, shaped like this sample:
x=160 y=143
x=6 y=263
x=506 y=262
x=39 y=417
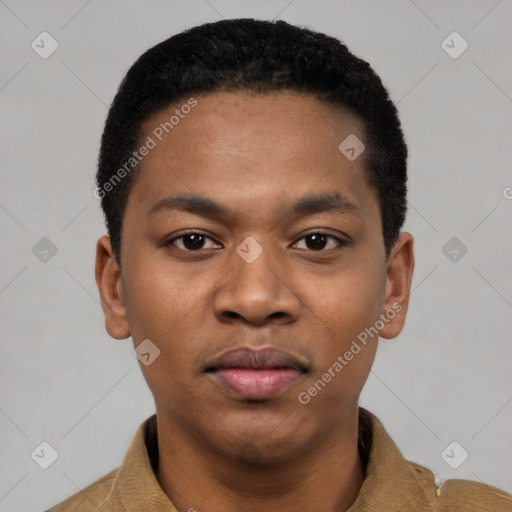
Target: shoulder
x=462 y=495
x=89 y=498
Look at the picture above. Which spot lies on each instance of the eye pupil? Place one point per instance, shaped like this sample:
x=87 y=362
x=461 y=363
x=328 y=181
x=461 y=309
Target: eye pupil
x=196 y=241
x=193 y=241
x=316 y=242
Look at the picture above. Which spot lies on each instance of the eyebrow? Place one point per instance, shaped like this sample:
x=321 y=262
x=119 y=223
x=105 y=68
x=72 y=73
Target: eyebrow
x=203 y=206
x=191 y=204
x=310 y=205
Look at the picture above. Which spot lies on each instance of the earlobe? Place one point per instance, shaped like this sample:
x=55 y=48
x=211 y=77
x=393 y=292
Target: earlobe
x=110 y=287
x=400 y=268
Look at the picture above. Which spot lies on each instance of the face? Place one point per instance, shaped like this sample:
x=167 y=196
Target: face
x=253 y=259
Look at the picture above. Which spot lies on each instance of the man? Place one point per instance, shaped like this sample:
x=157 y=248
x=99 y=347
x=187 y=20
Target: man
x=253 y=179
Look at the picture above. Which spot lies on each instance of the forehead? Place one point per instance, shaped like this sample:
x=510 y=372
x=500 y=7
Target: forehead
x=244 y=146
x=254 y=120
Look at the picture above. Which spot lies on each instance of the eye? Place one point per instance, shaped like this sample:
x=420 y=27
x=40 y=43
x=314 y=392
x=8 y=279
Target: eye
x=319 y=242
x=193 y=242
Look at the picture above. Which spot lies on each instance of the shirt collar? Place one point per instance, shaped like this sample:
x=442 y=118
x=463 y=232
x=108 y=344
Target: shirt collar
x=390 y=481
x=136 y=483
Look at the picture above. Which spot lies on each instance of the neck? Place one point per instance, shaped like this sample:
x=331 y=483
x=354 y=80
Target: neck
x=325 y=477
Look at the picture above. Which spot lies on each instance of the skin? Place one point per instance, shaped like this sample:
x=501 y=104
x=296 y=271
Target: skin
x=256 y=156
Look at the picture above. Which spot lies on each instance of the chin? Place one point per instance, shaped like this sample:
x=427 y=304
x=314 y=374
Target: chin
x=251 y=454
x=257 y=445
x=258 y=456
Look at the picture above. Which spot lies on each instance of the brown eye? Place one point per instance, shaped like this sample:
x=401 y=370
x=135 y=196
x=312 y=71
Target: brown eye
x=316 y=242
x=193 y=242
x=319 y=242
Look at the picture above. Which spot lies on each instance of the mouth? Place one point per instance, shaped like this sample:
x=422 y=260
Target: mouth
x=249 y=374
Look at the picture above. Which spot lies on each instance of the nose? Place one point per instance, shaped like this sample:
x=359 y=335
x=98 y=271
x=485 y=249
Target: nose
x=256 y=293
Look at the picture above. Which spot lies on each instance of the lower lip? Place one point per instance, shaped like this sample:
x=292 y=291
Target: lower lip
x=250 y=384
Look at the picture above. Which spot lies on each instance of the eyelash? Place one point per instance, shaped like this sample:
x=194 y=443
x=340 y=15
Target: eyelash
x=339 y=241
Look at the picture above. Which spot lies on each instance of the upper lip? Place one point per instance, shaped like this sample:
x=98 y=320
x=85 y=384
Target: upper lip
x=260 y=359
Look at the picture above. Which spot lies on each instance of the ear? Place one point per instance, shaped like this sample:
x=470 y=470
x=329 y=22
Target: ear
x=110 y=286
x=400 y=268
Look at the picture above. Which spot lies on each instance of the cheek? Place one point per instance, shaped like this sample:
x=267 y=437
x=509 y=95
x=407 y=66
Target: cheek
x=159 y=301
x=167 y=308
x=348 y=302
x=164 y=309
x=345 y=312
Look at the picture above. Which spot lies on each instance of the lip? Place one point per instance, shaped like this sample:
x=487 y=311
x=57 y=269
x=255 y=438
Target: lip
x=250 y=374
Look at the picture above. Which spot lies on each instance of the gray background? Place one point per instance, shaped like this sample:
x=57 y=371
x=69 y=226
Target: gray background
x=63 y=380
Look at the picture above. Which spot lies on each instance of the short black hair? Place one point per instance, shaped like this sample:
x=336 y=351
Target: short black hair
x=262 y=57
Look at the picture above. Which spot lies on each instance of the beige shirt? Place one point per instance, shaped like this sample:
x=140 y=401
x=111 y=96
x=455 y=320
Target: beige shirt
x=391 y=483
